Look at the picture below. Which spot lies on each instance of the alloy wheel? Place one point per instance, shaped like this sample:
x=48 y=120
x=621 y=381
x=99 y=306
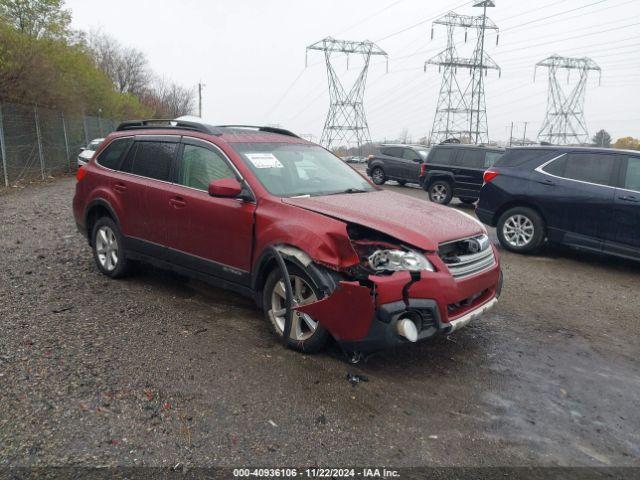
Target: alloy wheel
x=377 y=175
x=518 y=230
x=439 y=193
x=302 y=325
x=107 y=248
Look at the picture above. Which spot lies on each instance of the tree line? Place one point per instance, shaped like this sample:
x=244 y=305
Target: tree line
x=44 y=61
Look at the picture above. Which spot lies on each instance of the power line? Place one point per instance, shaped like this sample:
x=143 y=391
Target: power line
x=370 y=17
x=553 y=15
x=421 y=22
x=286 y=92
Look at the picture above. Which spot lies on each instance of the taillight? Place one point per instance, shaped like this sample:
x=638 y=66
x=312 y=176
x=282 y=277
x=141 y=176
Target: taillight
x=423 y=169
x=489 y=175
x=80 y=174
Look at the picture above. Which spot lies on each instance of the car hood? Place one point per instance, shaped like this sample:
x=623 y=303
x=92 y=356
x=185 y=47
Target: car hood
x=416 y=222
x=86 y=154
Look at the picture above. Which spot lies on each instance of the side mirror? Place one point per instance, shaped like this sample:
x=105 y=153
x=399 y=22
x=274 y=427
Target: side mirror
x=225 y=187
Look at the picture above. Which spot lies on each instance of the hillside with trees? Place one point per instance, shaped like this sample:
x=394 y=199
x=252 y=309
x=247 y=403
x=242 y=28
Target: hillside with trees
x=85 y=72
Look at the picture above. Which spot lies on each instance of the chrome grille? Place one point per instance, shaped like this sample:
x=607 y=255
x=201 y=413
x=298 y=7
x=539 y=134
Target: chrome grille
x=462 y=261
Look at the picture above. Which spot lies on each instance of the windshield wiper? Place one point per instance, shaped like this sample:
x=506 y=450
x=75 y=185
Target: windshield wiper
x=354 y=190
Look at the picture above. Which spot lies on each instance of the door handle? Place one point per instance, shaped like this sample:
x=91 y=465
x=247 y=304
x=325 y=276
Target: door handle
x=120 y=187
x=546 y=181
x=177 y=202
x=629 y=198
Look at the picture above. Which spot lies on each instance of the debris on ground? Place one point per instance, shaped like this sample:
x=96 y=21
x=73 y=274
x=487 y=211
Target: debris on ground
x=355 y=379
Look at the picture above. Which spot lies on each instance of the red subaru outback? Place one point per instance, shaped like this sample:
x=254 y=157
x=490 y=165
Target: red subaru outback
x=233 y=205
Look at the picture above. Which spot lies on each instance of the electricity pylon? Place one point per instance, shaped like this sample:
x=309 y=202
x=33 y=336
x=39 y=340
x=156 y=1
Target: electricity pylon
x=564 y=122
x=346 y=121
x=461 y=111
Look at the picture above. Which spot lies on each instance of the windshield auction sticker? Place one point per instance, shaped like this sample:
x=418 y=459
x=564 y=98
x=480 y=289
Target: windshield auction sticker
x=264 y=160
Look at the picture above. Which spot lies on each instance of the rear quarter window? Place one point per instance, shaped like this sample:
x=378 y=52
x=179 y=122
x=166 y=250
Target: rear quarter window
x=111 y=156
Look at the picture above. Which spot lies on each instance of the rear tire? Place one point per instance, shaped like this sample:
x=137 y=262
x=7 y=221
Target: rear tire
x=440 y=192
x=521 y=230
x=307 y=335
x=378 y=176
x=108 y=249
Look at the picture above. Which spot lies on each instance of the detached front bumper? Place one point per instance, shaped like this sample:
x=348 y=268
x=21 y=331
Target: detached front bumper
x=436 y=304
x=425 y=314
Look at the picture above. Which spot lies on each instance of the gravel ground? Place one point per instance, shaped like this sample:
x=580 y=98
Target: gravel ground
x=156 y=369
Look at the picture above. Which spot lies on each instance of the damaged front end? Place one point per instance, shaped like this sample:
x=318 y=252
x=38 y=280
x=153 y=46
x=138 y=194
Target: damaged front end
x=397 y=294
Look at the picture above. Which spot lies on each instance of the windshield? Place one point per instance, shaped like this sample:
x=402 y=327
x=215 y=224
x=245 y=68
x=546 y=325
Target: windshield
x=289 y=170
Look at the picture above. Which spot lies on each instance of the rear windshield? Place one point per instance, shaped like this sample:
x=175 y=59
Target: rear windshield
x=290 y=169
x=517 y=157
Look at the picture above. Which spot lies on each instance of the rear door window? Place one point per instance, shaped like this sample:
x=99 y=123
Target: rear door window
x=392 y=151
x=154 y=159
x=409 y=154
x=590 y=167
x=112 y=155
x=595 y=168
x=472 y=159
x=632 y=177
x=517 y=157
x=442 y=156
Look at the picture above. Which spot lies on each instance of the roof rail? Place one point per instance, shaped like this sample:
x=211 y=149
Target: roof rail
x=280 y=131
x=168 y=124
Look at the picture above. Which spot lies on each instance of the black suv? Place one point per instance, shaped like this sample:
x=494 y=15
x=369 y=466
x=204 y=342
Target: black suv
x=397 y=162
x=454 y=170
x=582 y=197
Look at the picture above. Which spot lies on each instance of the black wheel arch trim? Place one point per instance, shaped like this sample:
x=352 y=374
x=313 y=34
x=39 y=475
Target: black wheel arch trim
x=376 y=163
x=518 y=203
x=435 y=175
x=99 y=202
x=325 y=279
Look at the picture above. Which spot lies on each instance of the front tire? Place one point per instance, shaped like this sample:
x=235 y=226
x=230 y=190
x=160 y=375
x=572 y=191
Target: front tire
x=307 y=335
x=521 y=230
x=378 y=176
x=108 y=249
x=402 y=183
x=440 y=192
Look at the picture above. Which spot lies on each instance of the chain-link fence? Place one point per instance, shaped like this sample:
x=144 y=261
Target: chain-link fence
x=36 y=142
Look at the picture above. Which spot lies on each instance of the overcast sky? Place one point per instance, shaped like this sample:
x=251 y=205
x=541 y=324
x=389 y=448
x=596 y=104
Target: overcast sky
x=251 y=56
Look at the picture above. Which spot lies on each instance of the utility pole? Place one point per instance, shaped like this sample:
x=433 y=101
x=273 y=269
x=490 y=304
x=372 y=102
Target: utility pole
x=524 y=135
x=511 y=134
x=200 y=86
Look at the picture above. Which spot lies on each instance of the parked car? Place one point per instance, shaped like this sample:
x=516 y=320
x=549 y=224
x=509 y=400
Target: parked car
x=455 y=170
x=397 y=162
x=87 y=152
x=369 y=267
x=356 y=159
x=587 y=198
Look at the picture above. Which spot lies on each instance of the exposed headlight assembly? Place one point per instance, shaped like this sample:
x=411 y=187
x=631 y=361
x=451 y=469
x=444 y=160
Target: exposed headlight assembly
x=398 y=260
